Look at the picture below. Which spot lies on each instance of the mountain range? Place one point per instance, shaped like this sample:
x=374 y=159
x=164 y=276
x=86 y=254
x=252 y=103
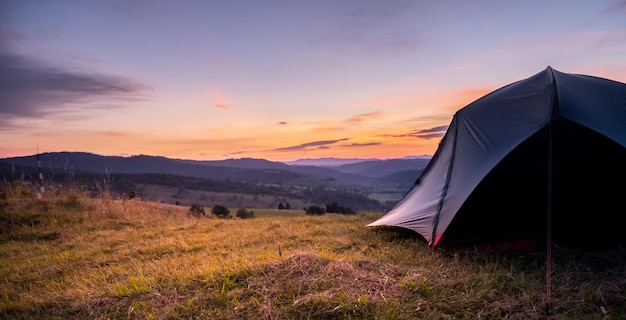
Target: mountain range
x=364 y=172
x=384 y=180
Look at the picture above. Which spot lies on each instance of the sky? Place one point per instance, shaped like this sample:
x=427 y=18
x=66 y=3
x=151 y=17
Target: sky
x=277 y=79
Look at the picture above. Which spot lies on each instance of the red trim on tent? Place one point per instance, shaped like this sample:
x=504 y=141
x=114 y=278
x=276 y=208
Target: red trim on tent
x=437 y=238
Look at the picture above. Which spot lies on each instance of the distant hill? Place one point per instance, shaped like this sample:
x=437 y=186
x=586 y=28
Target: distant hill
x=391 y=178
x=326 y=162
x=363 y=173
x=339 y=162
x=87 y=162
x=405 y=179
x=246 y=163
x=382 y=168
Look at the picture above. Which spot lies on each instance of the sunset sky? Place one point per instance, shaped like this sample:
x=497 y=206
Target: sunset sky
x=280 y=80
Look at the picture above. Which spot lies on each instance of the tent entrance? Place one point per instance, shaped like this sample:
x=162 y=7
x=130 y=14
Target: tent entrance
x=511 y=202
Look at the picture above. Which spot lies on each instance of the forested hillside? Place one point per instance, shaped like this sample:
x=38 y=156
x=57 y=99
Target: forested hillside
x=185 y=190
x=367 y=185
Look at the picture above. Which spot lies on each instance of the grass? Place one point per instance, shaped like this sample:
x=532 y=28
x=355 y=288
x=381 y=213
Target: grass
x=71 y=257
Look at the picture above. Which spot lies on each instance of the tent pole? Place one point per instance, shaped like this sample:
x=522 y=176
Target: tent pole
x=549 y=223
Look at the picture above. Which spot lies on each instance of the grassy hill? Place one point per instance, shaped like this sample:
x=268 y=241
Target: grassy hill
x=71 y=257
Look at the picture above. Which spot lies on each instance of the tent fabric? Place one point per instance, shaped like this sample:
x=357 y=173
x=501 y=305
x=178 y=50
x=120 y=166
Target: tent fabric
x=488 y=177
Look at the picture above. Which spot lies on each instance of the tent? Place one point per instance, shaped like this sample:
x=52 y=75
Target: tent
x=541 y=158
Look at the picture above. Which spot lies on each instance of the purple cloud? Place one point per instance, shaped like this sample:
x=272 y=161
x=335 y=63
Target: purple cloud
x=362 y=144
x=431 y=133
x=434 y=129
x=30 y=89
x=323 y=144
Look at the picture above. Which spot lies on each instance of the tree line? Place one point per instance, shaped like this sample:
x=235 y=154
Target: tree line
x=125 y=184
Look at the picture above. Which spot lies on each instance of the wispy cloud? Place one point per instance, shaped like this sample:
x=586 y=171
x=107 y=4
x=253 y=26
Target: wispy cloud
x=430 y=135
x=365 y=117
x=368 y=144
x=218 y=99
x=426 y=134
x=31 y=89
x=323 y=144
x=435 y=132
x=434 y=129
x=282 y=123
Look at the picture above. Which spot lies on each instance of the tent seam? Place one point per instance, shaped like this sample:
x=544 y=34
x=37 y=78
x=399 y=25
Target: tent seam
x=444 y=192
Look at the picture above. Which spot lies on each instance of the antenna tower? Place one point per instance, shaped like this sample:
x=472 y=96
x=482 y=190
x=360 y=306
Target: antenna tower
x=41 y=188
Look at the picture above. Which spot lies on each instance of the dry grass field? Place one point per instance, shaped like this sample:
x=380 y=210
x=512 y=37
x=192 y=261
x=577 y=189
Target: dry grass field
x=71 y=257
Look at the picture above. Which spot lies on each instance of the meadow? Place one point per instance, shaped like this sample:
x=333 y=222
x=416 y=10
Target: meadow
x=68 y=256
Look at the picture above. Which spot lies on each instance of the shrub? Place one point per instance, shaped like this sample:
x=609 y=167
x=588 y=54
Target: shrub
x=196 y=209
x=336 y=208
x=315 y=210
x=220 y=211
x=244 y=214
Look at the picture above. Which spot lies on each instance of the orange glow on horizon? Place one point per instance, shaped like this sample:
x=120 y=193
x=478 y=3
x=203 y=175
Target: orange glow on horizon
x=378 y=133
x=116 y=134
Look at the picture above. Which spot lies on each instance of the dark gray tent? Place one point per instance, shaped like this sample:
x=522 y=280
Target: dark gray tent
x=544 y=156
